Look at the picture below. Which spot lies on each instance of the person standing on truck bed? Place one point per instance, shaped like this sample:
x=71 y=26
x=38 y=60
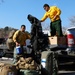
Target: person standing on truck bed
x=53 y=13
x=20 y=37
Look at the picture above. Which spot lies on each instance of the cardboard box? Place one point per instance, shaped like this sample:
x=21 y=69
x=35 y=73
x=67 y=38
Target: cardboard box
x=57 y=40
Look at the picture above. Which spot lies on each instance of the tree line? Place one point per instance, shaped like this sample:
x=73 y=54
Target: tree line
x=4 y=32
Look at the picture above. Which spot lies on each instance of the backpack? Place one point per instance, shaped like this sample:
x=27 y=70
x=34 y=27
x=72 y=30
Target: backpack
x=10 y=43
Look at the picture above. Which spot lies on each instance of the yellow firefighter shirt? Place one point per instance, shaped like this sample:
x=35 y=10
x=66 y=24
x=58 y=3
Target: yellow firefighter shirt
x=20 y=37
x=53 y=11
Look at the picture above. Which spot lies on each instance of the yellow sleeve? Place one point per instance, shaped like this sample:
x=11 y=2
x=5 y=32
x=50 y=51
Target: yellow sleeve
x=15 y=36
x=44 y=17
x=28 y=36
x=58 y=11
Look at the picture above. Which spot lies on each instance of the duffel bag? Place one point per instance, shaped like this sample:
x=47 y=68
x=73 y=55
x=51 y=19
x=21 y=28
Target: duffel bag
x=7 y=69
x=26 y=64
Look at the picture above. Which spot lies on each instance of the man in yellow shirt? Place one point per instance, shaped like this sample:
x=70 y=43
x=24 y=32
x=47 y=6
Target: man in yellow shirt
x=53 y=13
x=20 y=37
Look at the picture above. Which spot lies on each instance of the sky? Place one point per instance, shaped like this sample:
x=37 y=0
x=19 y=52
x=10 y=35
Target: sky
x=13 y=13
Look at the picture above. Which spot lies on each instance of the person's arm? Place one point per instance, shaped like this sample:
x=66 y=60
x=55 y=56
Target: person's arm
x=44 y=18
x=28 y=36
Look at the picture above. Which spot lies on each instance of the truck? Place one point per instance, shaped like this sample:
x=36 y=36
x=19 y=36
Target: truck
x=61 y=55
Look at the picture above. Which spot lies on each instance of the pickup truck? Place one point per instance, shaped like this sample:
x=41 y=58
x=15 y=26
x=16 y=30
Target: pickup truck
x=60 y=56
x=57 y=56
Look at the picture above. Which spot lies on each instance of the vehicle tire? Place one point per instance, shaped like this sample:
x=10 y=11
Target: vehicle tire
x=44 y=71
x=51 y=63
x=44 y=56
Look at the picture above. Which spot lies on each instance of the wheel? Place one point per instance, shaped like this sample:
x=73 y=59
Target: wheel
x=51 y=62
x=44 y=71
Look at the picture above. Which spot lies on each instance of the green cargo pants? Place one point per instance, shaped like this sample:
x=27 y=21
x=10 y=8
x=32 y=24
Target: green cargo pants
x=56 y=28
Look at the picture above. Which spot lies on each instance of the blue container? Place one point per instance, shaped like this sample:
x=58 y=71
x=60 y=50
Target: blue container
x=18 y=50
x=43 y=62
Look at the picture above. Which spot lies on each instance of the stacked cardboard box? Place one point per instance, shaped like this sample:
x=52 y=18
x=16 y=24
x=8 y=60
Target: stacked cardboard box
x=55 y=40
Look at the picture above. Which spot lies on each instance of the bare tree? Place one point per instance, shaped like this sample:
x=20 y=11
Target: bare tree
x=64 y=30
x=72 y=21
x=45 y=26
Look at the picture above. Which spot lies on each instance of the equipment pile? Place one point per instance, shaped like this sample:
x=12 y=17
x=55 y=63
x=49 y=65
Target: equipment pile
x=26 y=64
